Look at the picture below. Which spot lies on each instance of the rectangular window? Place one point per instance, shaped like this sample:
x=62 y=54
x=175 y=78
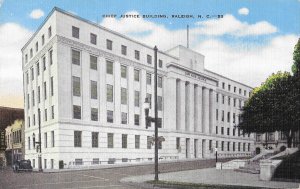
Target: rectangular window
x=149 y=59
x=51 y=86
x=223 y=85
x=217 y=114
x=228 y=117
x=49 y=32
x=148 y=78
x=46 y=115
x=149 y=97
x=45 y=90
x=109 y=44
x=160 y=63
x=233 y=131
x=233 y=146
x=149 y=142
x=137 y=55
x=93 y=39
x=39 y=94
x=77 y=138
x=109 y=67
x=95 y=139
x=33 y=120
x=45 y=163
x=222 y=130
x=33 y=101
x=51 y=57
x=93 y=62
x=137 y=141
x=239 y=146
x=45 y=140
x=94 y=94
x=217 y=97
x=240 y=91
x=234 y=102
x=229 y=87
x=234 y=89
x=95 y=161
x=159 y=103
x=123 y=96
x=228 y=131
x=222 y=146
x=76 y=112
x=228 y=146
x=217 y=130
x=217 y=144
x=31 y=53
x=28 y=101
x=52 y=112
x=136 y=75
x=44 y=63
x=177 y=143
x=124 y=141
x=110 y=116
x=109 y=93
x=32 y=73
x=75 y=32
x=248 y=147
x=75 y=57
x=52 y=163
x=94 y=114
x=233 y=117
x=210 y=145
x=244 y=147
x=123 y=118
x=223 y=99
x=76 y=86
x=78 y=162
x=43 y=39
x=38 y=68
x=110 y=140
x=228 y=101
x=136 y=98
x=28 y=143
x=123 y=71
x=245 y=92
x=240 y=104
x=222 y=115
x=26 y=58
x=159 y=82
x=123 y=50
x=136 y=119
x=52 y=139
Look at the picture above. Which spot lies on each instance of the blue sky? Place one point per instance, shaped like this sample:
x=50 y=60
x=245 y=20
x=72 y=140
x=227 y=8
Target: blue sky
x=254 y=39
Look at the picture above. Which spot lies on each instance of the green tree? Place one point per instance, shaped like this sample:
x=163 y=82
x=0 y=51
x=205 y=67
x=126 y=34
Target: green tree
x=275 y=105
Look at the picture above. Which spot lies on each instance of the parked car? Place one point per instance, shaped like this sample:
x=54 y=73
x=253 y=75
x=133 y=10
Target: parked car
x=22 y=165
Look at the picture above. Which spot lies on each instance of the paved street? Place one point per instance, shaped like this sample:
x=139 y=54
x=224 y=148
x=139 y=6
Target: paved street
x=101 y=178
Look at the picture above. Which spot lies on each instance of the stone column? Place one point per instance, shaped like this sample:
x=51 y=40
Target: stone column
x=117 y=93
x=181 y=117
x=205 y=110
x=212 y=110
x=187 y=105
x=191 y=102
x=198 y=109
x=170 y=101
x=130 y=95
x=143 y=92
x=102 y=89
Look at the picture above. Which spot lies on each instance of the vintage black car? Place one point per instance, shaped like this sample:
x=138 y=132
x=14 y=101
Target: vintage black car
x=22 y=165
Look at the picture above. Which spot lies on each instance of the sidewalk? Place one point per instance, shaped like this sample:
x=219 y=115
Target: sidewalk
x=213 y=176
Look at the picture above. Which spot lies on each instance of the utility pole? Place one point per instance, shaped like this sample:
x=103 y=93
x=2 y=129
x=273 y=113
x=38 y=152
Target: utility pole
x=156 y=114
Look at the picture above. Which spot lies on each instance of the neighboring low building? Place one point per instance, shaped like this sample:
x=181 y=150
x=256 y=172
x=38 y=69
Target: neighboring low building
x=7 y=117
x=273 y=141
x=15 y=149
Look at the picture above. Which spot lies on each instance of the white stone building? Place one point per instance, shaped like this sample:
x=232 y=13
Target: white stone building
x=90 y=84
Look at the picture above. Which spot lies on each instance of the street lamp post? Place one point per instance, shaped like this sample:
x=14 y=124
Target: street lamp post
x=40 y=143
x=155 y=119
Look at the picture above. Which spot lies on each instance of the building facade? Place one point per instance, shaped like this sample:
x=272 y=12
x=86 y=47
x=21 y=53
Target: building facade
x=14 y=135
x=90 y=83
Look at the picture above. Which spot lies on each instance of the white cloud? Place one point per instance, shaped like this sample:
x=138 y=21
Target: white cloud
x=232 y=26
x=245 y=63
x=36 y=14
x=1 y=2
x=249 y=65
x=12 y=38
x=243 y=11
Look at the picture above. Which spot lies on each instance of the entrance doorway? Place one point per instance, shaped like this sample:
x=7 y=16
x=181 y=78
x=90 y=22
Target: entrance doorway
x=196 y=148
x=187 y=148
